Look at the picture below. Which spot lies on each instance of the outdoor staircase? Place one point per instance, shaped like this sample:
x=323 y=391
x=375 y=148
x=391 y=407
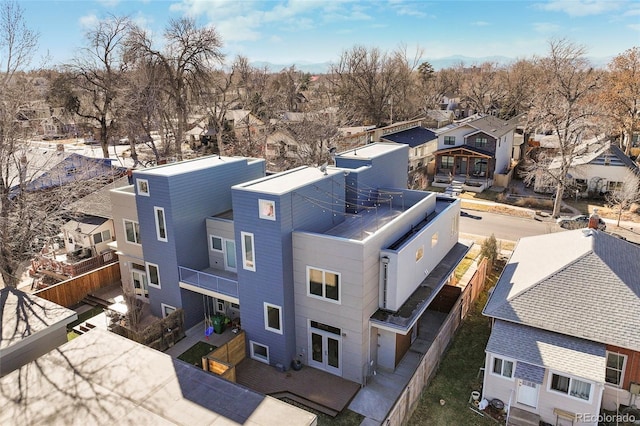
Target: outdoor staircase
x=519 y=417
x=92 y=300
x=454 y=189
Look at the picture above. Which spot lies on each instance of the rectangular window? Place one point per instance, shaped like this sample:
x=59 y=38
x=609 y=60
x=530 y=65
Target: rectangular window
x=419 y=253
x=502 y=367
x=614 y=186
x=161 y=226
x=153 y=274
x=259 y=352
x=102 y=236
x=143 y=187
x=167 y=310
x=570 y=386
x=248 y=252
x=272 y=318
x=446 y=162
x=434 y=240
x=449 y=140
x=323 y=284
x=614 y=374
x=216 y=243
x=139 y=280
x=267 y=209
x=132 y=231
x=481 y=142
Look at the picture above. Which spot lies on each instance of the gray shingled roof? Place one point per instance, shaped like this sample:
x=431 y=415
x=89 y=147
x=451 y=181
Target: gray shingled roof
x=577 y=357
x=586 y=286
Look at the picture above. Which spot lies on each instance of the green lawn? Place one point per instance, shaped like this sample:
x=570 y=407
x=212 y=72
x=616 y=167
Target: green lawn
x=194 y=354
x=458 y=375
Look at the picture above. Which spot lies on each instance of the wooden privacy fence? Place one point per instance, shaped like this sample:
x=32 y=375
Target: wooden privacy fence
x=406 y=402
x=223 y=360
x=70 y=292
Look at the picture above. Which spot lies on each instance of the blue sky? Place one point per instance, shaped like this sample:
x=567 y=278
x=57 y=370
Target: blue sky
x=310 y=31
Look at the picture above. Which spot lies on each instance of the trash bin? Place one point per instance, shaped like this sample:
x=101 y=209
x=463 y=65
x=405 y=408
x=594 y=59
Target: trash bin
x=218 y=323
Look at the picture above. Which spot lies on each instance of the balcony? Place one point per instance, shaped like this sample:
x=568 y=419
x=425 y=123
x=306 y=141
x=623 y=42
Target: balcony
x=211 y=280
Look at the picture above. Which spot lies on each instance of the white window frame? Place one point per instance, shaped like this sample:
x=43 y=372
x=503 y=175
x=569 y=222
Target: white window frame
x=211 y=237
x=164 y=306
x=258 y=357
x=266 y=318
x=134 y=223
x=571 y=379
x=144 y=282
x=139 y=183
x=624 y=366
x=267 y=209
x=324 y=285
x=247 y=264
x=149 y=282
x=156 y=210
x=502 y=360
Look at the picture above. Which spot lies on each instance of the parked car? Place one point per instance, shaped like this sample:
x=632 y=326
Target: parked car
x=579 y=221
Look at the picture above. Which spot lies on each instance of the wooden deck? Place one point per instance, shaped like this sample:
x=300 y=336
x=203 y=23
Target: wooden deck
x=311 y=387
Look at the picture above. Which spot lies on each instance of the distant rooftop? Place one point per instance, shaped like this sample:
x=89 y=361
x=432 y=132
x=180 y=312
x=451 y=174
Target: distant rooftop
x=413 y=137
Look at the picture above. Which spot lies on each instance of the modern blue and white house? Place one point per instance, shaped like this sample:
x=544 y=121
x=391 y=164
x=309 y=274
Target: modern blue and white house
x=332 y=265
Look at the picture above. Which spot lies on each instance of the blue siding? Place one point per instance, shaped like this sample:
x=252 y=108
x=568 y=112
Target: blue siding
x=309 y=208
x=187 y=198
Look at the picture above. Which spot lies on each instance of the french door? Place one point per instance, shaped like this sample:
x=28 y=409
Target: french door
x=325 y=348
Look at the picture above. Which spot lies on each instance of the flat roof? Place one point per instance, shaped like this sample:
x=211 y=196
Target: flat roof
x=26 y=314
x=371 y=150
x=185 y=166
x=101 y=377
x=287 y=181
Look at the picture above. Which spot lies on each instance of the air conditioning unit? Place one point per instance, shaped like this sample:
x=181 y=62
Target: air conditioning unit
x=634 y=388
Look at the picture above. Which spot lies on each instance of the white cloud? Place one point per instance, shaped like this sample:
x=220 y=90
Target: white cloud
x=480 y=23
x=581 y=7
x=545 y=27
x=634 y=27
x=89 y=21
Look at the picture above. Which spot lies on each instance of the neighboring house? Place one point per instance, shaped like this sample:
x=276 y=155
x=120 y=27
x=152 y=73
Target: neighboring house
x=100 y=377
x=333 y=265
x=564 y=342
x=422 y=143
x=598 y=167
x=45 y=169
x=30 y=326
x=473 y=151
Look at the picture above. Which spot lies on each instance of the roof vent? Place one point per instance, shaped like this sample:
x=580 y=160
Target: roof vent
x=587 y=232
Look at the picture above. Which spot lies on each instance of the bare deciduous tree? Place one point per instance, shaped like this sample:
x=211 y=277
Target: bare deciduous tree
x=623 y=198
x=189 y=55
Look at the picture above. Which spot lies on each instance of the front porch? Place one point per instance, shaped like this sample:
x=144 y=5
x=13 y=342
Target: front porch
x=472 y=167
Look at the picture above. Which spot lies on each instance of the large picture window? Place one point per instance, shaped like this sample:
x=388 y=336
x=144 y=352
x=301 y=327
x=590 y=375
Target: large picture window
x=615 y=368
x=323 y=284
x=161 y=225
x=446 y=162
x=502 y=367
x=132 y=231
x=272 y=318
x=570 y=386
x=248 y=251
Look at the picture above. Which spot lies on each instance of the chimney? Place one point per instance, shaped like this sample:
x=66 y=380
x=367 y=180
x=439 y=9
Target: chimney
x=594 y=220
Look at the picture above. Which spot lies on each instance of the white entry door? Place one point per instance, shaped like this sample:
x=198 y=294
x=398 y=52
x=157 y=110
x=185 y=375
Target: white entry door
x=325 y=351
x=527 y=393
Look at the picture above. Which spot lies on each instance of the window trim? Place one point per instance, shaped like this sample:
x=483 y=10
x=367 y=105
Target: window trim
x=571 y=379
x=156 y=210
x=622 y=370
x=324 y=285
x=266 y=209
x=139 y=187
x=164 y=306
x=258 y=357
x=246 y=264
x=266 y=318
x=133 y=222
x=221 y=249
x=503 y=359
x=149 y=282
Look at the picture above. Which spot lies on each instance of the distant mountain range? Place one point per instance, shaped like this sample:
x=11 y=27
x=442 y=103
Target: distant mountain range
x=437 y=63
